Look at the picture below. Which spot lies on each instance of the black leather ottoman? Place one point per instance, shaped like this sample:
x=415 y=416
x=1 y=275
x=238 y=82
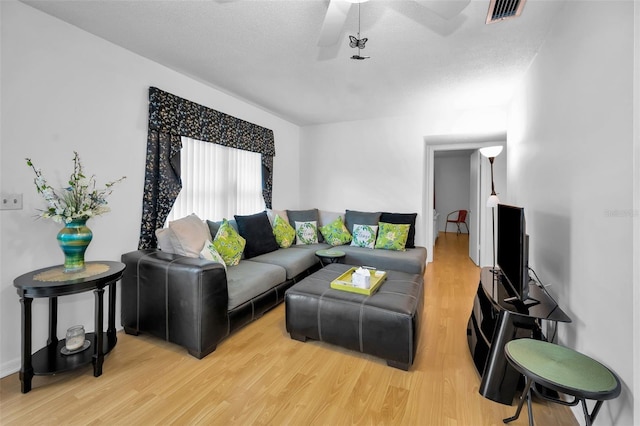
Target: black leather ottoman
x=386 y=324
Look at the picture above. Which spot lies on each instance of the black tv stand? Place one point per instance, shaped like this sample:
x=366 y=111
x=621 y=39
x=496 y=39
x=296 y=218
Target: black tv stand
x=497 y=319
x=522 y=304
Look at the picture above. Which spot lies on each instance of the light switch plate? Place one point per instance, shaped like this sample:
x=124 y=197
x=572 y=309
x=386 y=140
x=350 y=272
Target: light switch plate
x=11 y=202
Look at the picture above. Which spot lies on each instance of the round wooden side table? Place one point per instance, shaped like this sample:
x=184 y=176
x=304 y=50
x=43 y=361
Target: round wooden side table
x=51 y=283
x=563 y=370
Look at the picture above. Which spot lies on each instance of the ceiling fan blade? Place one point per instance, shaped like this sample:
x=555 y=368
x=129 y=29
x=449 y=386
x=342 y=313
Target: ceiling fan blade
x=333 y=22
x=446 y=9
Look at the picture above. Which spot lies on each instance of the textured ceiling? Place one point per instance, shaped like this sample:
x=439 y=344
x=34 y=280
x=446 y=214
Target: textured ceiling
x=267 y=52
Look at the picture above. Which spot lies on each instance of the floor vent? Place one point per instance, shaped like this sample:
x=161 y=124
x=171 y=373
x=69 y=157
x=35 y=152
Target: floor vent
x=499 y=10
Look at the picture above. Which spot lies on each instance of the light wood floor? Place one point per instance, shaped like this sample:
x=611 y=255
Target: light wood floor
x=260 y=376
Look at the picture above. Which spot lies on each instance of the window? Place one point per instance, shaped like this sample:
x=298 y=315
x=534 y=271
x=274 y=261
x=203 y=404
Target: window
x=218 y=181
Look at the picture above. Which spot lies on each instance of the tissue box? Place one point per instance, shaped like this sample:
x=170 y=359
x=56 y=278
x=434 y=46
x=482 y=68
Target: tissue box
x=362 y=281
x=345 y=282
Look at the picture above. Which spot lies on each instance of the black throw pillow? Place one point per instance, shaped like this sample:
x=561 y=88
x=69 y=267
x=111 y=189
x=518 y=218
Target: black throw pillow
x=256 y=229
x=403 y=219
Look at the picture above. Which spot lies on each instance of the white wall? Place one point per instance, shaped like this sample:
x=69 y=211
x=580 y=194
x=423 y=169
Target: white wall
x=63 y=90
x=570 y=140
x=636 y=208
x=369 y=165
x=452 y=186
x=383 y=162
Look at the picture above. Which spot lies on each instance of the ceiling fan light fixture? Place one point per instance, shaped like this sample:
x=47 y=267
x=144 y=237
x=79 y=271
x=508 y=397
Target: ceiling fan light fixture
x=357 y=42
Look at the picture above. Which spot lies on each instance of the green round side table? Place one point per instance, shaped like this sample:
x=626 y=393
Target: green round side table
x=563 y=370
x=328 y=256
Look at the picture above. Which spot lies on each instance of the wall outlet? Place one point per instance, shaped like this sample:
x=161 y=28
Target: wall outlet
x=11 y=202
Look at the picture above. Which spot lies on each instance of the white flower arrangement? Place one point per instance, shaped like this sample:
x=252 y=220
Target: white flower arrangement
x=80 y=200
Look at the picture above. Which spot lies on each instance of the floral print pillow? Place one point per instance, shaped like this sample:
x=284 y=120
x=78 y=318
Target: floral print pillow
x=209 y=252
x=307 y=232
x=335 y=233
x=284 y=233
x=392 y=236
x=229 y=244
x=364 y=235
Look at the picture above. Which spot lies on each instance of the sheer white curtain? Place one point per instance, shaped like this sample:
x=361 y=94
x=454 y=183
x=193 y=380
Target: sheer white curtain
x=218 y=182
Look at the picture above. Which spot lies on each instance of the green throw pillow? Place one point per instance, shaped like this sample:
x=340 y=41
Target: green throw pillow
x=209 y=252
x=284 y=233
x=229 y=244
x=392 y=236
x=307 y=232
x=335 y=233
x=364 y=235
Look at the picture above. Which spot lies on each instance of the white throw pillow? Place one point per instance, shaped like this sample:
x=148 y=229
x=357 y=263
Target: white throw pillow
x=306 y=232
x=163 y=236
x=209 y=252
x=364 y=235
x=189 y=235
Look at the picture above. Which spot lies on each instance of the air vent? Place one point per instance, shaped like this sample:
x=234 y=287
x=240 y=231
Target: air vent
x=499 y=10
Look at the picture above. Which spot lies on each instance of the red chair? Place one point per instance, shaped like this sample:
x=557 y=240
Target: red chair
x=461 y=218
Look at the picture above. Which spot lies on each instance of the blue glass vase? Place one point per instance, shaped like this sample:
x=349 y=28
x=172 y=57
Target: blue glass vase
x=74 y=239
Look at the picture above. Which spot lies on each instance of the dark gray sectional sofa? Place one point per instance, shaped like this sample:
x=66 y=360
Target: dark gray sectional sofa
x=195 y=303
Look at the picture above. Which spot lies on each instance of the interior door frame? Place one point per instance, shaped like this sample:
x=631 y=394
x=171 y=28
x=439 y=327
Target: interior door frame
x=450 y=143
x=473 y=219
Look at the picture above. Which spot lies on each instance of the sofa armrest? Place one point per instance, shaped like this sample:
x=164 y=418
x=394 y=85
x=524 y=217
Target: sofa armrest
x=181 y=299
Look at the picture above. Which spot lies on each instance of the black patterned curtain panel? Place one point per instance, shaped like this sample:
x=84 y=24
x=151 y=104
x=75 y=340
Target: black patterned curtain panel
x=170 y=118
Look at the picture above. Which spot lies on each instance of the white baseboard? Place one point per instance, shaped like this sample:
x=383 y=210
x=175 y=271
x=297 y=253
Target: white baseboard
x=9 y=367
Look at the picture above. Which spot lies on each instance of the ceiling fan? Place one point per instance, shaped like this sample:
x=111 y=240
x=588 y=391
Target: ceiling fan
x=338 y=10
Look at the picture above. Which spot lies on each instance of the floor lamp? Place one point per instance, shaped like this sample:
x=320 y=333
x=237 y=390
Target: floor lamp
x=491 y=152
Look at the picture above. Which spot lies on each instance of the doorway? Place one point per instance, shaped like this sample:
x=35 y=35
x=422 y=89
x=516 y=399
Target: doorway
x=480 y=223
x=454 y=191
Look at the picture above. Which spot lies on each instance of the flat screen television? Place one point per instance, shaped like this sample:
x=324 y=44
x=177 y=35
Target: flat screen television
x=513 y=250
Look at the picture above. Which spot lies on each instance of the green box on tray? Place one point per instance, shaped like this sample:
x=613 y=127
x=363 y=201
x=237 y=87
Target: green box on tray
x=344 y=282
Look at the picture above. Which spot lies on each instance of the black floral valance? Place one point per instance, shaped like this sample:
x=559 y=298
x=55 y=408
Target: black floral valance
x=170 y=118
x=174 y=115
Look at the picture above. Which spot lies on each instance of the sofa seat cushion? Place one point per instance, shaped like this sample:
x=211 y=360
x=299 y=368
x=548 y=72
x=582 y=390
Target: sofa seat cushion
x=249 y=279
x=412 y=261
x=295 y=261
